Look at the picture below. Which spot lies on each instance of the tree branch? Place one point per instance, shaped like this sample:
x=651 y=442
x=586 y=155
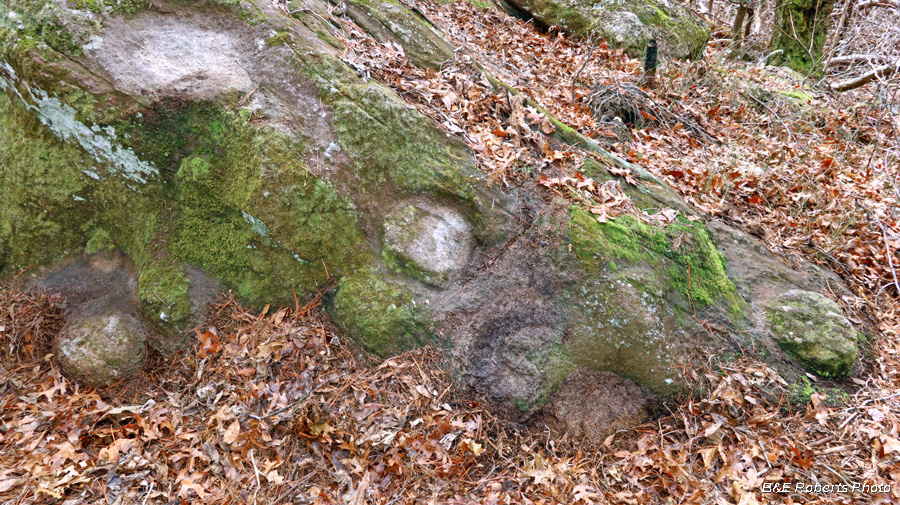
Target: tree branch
x=887 y=4
x=850 y=59
x=862 y=80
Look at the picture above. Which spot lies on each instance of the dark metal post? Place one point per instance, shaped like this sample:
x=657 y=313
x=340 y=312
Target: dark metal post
x=650 y=65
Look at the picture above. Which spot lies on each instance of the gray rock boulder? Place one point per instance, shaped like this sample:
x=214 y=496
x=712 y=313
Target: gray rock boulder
x=102 y=349
x=626 y=24
x=235 y=145
x=812 y=329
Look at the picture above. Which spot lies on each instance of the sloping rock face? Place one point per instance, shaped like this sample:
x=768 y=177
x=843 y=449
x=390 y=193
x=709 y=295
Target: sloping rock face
x=388 y=21
x=230 y=139
x=627 y=24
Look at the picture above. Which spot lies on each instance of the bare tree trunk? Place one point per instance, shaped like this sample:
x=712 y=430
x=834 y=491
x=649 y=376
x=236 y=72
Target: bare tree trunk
x=839 y=32
x=739 y=21
x=737 y=30
x=750 y=13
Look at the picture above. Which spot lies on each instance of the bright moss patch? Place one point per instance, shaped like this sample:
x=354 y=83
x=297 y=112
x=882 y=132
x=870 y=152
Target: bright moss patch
x=797 y=94
x=684 y=249
x=247 y=206
x=40 y=218
x=368 y=123
x=381 y=313
x=801 y=27
x=163 y=290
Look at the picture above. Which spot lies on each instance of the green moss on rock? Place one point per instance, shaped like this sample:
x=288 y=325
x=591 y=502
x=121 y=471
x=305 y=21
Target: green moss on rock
x=626 y=312
x=688 y=255
x=382 y=314
x=812 y=329
x=248 y=207
x=163 y=290
x=368 y=120
x=232 y=198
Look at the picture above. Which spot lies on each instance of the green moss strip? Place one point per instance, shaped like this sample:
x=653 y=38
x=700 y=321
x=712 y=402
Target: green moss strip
x=693 y=264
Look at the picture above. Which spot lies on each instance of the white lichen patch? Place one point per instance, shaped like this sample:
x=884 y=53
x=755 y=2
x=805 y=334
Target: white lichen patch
x=100 y=143
x=256 y=225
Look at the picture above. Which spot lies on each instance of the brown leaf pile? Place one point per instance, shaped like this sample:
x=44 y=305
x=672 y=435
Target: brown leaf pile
x=281 y=410
x=263 y=409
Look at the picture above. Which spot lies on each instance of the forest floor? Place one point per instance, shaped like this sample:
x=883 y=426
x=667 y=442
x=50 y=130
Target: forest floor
x=277 y=407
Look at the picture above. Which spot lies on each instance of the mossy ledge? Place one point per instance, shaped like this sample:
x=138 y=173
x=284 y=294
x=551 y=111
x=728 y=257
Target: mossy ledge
x=693 y=265
x=202 y=175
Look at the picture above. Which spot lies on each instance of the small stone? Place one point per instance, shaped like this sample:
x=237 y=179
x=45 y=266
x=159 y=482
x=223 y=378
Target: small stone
x=811 y=328
x=100 y=350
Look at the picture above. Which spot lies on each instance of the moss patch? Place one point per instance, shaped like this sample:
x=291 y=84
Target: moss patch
x=801 y=27
x=113 y=6
x=247 y=206
x=694 y=266
x=368 y=122
x=381 y=313
x=812 y=329
x=163 y=290
x=555 y=365
x=796 y=94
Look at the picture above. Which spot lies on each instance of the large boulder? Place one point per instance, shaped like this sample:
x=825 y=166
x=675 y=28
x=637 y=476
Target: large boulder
x=230 y=139
x=625 y=24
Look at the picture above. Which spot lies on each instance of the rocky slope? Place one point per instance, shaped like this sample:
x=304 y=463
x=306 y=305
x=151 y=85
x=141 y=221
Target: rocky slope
x=228 y=142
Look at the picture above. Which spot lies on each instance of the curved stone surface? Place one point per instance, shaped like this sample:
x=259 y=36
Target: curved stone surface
x=812 y=329
x=100 y=350
x=429 y=241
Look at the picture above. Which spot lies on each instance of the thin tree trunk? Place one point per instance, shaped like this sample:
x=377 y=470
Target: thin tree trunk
x=737 y=30
x=750 y=13
x=839 y=31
